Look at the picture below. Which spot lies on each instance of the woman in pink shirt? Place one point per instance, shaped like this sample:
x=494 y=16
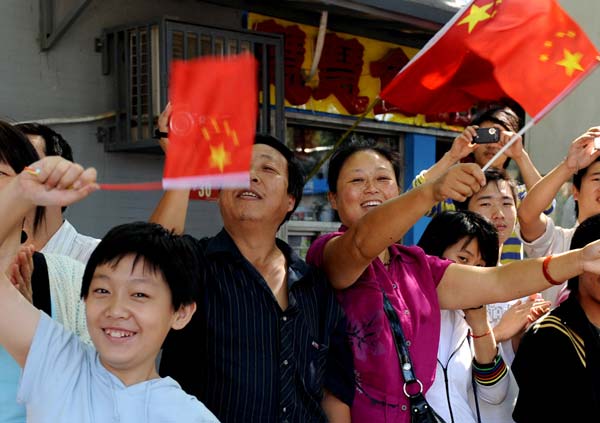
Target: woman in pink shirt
x=363 y=259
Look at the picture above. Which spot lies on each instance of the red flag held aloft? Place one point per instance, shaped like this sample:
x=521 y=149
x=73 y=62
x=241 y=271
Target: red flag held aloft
x=530 y=51
x=212 y=126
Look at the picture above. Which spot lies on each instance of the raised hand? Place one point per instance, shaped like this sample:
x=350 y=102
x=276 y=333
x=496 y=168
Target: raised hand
x=21 y=270
x=463 y=144
x=515 y=151
x=460 y=182
x=54 y=181
x=163 y=126
x=582 y=152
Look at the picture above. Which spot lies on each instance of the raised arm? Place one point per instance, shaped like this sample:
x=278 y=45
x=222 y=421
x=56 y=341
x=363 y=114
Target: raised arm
x=581 y=154
x=516 y=152
x=57 y=182
x=462 y=146
x=467 y=286
x=484 y=342
x=346 y=257
x=171 y=210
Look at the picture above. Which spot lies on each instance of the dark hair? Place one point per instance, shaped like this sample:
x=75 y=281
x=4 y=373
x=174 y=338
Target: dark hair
x=577 y=181
x=588 y=231
x=448 y=228
x=500 y=115
x=173 y=256
x=339 y=157
x=295 y=173
x=492 y=175
x=17 y=152
x=54 y=143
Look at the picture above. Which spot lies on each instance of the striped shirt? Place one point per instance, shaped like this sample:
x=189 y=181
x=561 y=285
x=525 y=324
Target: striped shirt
x=247 y=359
x=513 y=247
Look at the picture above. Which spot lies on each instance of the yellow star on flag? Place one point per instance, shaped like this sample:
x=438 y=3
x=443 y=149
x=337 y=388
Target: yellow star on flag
x=219 y=157
x=476 y=14
x=570 y=62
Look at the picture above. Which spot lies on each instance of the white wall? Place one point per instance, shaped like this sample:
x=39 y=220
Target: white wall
x=67 y=81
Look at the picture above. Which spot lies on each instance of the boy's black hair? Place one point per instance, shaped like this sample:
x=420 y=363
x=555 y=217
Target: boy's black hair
x=295 y=173
x=54 y=143
x=450 y=227
x=17 y=152
x=173 y=256
x=492 y=175
x=577 y=181
x=588 y=231
x=339 y=157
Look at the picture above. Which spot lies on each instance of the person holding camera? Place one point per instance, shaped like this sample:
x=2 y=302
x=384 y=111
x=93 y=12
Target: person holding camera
x=473 y=145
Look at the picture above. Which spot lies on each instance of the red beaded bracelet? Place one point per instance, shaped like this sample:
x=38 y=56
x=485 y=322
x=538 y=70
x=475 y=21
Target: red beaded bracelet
x=549 y=278
x=482 y=335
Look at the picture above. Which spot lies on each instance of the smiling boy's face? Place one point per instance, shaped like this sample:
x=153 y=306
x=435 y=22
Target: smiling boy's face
x=129 y=313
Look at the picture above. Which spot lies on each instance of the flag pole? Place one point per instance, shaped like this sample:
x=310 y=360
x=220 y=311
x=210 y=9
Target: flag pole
x=508 y=144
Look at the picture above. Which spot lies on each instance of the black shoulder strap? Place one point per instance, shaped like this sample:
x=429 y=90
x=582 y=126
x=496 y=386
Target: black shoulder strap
x=40 y=284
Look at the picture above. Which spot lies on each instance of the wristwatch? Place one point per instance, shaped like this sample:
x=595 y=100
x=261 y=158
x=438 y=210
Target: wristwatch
x=158 y=134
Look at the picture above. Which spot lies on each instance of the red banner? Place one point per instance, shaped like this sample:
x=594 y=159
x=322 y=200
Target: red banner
x=530 y=51
x=212 y=127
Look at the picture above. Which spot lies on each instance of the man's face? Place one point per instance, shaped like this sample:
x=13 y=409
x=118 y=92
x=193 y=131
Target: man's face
x=129 y=313
x=588 y=196
x=485 y=152
x=496 y=203
x=267 y=199
x=589 y=291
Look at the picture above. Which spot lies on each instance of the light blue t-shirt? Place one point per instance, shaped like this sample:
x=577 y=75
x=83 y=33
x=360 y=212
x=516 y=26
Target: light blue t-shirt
x=10 y=373
x=63 y=382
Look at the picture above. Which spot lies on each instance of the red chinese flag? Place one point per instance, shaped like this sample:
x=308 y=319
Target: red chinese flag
x=530 y=51
x=212 y=126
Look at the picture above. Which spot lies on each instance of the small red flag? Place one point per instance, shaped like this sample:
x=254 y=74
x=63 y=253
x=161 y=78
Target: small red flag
x=212 y=126
x=530 y=51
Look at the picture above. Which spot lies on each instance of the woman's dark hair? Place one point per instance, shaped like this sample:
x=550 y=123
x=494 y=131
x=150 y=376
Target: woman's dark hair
x=17 y=152
x=295 y=173
x=339 y=157
x=54 y=143
x=588 y=231
x=163 y=252
x=492 y=175
x=448 y=228
x=500 y=115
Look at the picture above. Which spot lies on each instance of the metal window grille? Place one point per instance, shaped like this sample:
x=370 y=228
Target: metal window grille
x=138 y=58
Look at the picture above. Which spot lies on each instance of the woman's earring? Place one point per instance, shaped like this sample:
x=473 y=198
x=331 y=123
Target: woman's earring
x=24 y=237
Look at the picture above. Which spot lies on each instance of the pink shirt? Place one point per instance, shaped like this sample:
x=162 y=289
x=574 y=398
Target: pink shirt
x=410 y=284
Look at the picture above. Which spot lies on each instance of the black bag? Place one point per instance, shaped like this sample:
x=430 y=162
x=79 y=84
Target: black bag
x=420 y=410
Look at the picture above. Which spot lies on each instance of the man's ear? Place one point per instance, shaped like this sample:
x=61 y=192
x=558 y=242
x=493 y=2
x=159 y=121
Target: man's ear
x=291 y=202
x=183 y=316
x=332 y=197
x=575 y=192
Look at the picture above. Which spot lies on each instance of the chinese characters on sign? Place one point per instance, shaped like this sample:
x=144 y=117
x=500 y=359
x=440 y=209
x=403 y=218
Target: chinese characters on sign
x=351 y=72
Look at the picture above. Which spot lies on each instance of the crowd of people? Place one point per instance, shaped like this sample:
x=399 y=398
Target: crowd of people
x=150 y=324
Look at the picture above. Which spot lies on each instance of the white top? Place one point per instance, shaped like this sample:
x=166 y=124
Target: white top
x=455 y=354
x=64 y=382
x=554 y=240
x=68 y=242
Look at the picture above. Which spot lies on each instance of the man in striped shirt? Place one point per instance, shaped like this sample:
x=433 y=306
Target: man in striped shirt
x=267 y=343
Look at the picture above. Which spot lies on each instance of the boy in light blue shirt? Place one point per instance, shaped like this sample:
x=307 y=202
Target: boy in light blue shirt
x=138 y=285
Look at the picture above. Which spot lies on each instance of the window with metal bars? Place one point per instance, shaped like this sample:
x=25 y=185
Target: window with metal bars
x=138 y=57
